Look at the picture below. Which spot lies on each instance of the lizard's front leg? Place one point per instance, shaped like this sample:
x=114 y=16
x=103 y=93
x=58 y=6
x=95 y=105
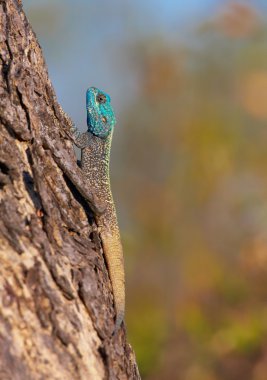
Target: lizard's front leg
x=81 y=140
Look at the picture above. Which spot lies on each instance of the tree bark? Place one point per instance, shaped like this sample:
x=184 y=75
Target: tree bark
x=56 y=305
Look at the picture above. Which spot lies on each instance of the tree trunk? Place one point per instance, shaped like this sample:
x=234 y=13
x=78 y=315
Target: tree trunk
x=56 y=305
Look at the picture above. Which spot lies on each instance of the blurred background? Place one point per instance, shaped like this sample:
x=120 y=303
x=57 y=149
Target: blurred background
x=188 y=80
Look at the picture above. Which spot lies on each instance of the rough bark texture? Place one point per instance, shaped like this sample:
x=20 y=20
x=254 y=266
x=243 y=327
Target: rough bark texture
x=56 y=306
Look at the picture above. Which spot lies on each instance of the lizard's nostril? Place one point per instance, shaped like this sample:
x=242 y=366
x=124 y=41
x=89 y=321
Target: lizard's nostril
x=104 y=119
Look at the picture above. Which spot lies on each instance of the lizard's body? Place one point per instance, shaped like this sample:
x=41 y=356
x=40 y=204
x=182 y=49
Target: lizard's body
x=95 y=158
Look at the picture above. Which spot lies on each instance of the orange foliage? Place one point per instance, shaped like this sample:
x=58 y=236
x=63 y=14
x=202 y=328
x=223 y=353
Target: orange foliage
x=162 y=73
x=252 y=92
x=238 y=20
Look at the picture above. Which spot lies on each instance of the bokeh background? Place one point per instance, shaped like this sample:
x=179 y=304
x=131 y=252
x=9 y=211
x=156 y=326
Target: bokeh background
x=188 y=80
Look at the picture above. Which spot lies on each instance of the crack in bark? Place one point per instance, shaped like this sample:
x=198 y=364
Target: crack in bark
x=7 y=33
x=25 y=109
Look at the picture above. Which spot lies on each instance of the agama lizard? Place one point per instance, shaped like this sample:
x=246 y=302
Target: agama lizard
x=95 y=146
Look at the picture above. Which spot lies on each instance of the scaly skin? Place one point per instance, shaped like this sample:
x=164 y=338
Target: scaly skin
x=96 y=145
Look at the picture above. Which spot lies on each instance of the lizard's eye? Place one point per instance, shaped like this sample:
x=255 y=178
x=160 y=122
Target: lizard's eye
x=101 y=98
x=104 y=119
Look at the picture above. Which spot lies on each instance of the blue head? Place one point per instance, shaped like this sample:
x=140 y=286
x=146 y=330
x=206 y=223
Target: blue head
x=100 y=115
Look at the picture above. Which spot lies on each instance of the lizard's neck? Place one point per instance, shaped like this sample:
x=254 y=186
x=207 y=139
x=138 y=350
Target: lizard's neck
x=95 y=160
x=95 y=165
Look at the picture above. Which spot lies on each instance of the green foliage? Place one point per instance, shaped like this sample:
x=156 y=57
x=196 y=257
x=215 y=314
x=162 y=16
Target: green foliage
x=147 y=334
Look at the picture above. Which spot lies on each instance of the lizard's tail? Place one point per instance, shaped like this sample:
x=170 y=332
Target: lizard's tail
x=114 y=257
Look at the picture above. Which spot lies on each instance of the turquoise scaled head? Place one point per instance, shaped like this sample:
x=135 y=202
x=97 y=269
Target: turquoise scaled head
x=100 y=115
